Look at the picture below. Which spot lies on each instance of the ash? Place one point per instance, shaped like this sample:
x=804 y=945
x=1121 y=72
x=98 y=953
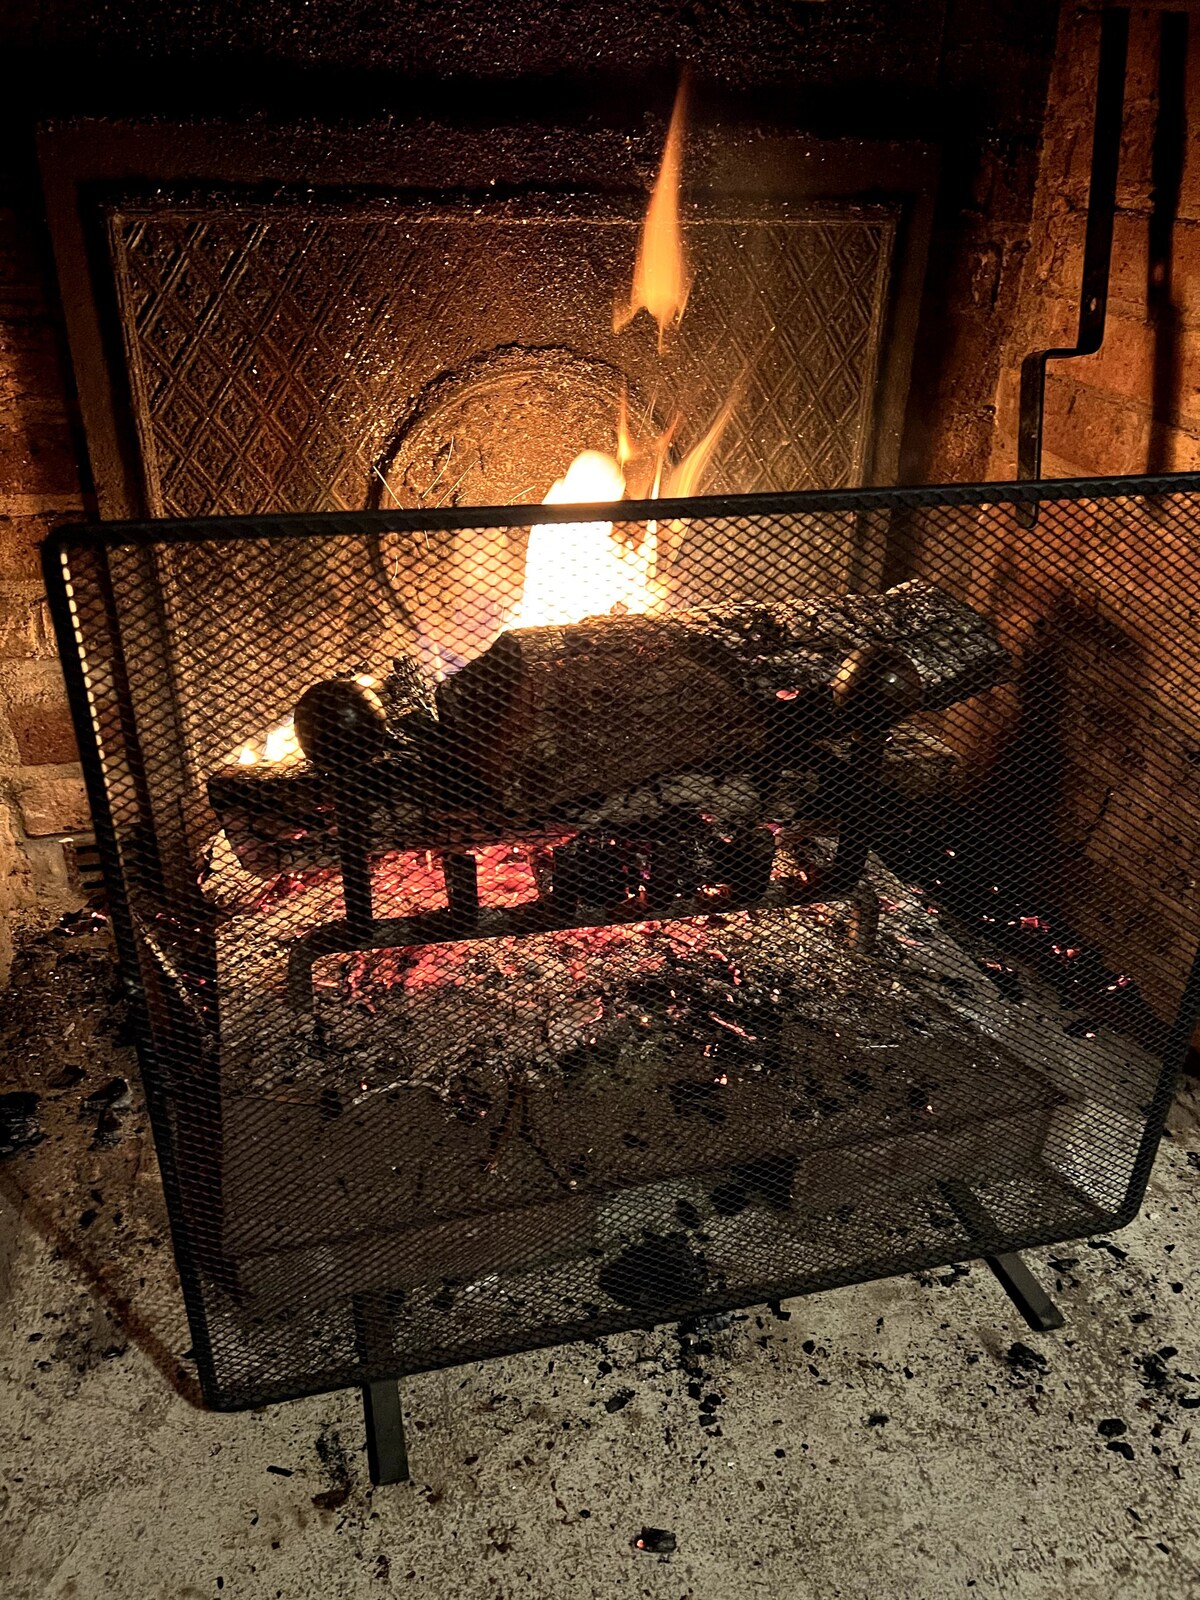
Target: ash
x=639 y=1116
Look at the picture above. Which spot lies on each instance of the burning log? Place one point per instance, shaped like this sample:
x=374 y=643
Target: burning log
x=549 y=714
x=281 y=819
x=616 y=723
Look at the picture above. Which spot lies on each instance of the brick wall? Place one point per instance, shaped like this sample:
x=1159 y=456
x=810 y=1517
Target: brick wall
x=41 y=793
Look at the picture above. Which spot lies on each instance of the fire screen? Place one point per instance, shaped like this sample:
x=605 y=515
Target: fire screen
x=541 y=922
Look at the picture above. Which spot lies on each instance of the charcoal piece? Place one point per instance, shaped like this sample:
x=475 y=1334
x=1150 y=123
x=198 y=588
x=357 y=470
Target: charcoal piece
x=595 y=872
x=108 y=1131
x=1024 y=1359
x=1004 y=978
x=769 y=1180
x=115 y=1095
x=659 y=1272
x=469 y=1100
x=692 y=1099
x=729 y=1199
x=19 y=1129
x=656 y=1541
x=68 y=1078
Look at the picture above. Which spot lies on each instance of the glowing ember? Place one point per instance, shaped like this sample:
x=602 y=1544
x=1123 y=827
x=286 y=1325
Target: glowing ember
x=661 y=280
x=581 y=569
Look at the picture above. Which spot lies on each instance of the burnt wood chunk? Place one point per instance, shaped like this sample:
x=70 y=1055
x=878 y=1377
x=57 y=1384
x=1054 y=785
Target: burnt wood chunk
x=551 y=713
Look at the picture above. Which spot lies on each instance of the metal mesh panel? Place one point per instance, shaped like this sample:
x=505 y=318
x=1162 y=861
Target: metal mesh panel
x=542 y=929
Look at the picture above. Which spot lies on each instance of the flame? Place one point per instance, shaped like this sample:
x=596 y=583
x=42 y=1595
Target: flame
x=281 y=743
x=684 y=479
x=278 y=746
x=661 y=279
x=582 y=569
x=626 y=449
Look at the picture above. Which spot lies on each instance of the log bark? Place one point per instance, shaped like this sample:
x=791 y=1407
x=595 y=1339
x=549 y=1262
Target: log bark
x=551 y=714
x=582 y=726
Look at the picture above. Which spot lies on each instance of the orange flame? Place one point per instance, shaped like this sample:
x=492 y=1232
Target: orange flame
x=626 y=449
x=661 y=279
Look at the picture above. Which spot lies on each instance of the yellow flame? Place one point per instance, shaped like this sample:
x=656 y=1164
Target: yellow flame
x=661 y=279
x=281 y=743
x=685 y=479
x=581 y=569
x=625 y=446
x=247 y=756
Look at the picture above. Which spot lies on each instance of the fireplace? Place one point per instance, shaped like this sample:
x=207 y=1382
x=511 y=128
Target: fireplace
x=586 y=848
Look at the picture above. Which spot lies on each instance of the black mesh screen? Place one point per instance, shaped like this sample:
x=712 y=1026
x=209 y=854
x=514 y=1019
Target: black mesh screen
x=538 y=931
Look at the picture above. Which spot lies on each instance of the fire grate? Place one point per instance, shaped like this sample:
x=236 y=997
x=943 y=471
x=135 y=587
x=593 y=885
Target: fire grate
x=503 y=978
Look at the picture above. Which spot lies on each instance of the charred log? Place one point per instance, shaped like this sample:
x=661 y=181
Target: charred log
x=548 y=714
x=281 y=819
x=743 y=713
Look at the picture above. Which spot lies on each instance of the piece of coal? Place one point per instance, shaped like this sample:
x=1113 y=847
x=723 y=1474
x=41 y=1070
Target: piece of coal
x=729 y=1199
x=1114 y=1250
x=660 y=1271
x=116 y=1095
x=692 y=1099
x=1025 y=1359
x=618 y=1401
x=108 y=1131
x=19 y=1128
x=770 y=1179
x=687 y=1213
x=1110 y=1428
x=67 y=1078
x=658 y=1541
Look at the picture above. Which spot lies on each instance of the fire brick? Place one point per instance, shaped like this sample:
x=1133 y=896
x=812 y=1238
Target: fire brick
x=49 y=805
x=43 y=733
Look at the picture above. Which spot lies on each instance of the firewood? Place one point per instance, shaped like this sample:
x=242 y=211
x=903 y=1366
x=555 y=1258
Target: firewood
x=549 y=714
x=617 y=721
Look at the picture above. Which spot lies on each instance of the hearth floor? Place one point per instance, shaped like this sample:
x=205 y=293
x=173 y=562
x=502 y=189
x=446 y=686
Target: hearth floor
x=908 y=1437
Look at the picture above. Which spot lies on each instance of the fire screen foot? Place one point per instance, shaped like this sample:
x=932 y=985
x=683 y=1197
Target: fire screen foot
x=1018 y=1283
x=1025 y=1292
x=387 y=1453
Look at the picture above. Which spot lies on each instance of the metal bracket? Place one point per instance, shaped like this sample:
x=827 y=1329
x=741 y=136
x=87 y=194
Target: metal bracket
x=1097 y=252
